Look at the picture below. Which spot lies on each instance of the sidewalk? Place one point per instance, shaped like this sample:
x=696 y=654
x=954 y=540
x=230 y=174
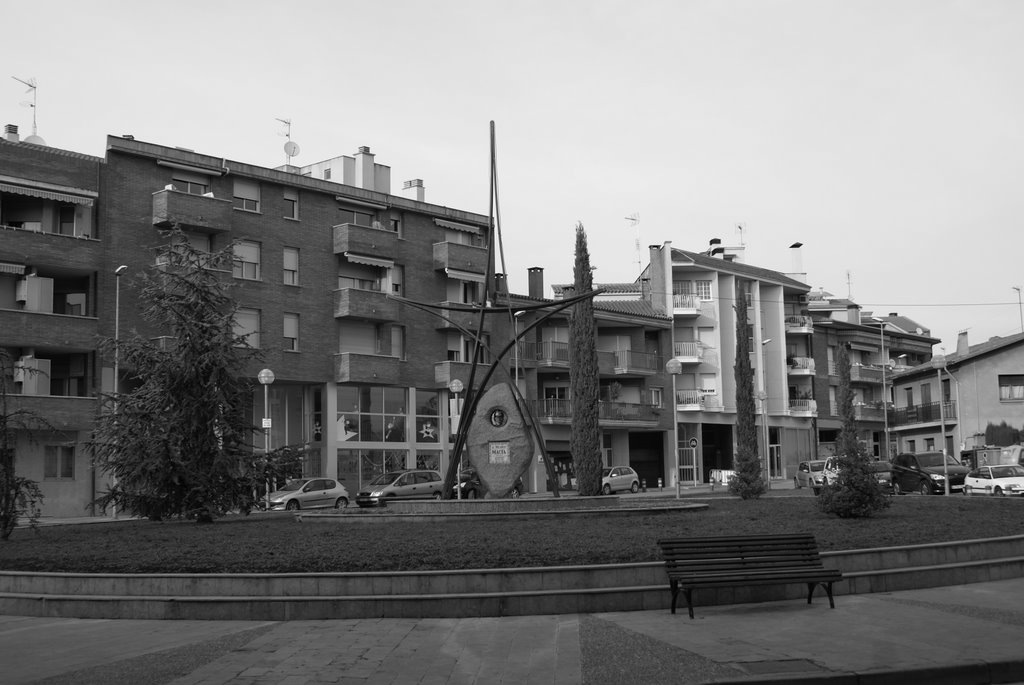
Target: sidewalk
x=959 y=634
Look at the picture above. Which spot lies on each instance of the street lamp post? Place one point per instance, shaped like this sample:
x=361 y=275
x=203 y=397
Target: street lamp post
x=764 y=407
x=942 y=424
x=118 y=272
x=515 y=350
x=884 y=452
x=674 y=367
x=455 y=386
x=266 y=377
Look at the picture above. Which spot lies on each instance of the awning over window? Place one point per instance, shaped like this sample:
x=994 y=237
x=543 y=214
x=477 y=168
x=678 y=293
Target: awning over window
x=8 y=268
x=863 y=348
x=465 y=275
x=457 y=226
x=46 y=194
x=370 y=261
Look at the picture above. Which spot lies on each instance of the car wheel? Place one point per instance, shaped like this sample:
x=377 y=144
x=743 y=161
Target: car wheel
x=341 y=503
x=998 y=491
x=967 y=491
x=516 y=494
x=896 y=489
x=607 y=489
x=924 y=488
x=437 y=495
x=816 y=491
x=471 y=493
x=796 y=483
x=634 y=488
x=293 y=505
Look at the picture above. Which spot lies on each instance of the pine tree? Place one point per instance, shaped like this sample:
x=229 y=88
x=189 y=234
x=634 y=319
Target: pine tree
x=748 y=482
x=857 y=493
x=178 y=443
x=585 y=437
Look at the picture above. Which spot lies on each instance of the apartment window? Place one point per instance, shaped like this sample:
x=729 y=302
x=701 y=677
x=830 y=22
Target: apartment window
x=291 y=266
x=395 y=225
x=191 y=183
x=929 y=444
x=327 y=174
x=912 y=446
x=247 y=195
x=291 y=332
x=656 y=397
x=291 y=203
x=66 y=220
x=704 y=290
x=59 y=462
x=247 y=325
x=352 y=216
x=247 y=260
x=1011 y=388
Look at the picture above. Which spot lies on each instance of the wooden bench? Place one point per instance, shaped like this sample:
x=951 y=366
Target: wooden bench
x=741 y=560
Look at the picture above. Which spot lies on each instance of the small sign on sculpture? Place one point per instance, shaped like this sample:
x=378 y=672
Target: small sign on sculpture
x=499 y=453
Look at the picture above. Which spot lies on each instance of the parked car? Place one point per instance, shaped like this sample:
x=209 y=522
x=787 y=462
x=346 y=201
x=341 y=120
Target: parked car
x=309 y=493
x=995 y=480
x=925 y=472
x=809 y=474
x=883 y=473
x=415 y=484
x=619 y=478
x=472 y=488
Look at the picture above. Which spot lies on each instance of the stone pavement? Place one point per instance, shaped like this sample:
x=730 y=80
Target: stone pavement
x=958 y=634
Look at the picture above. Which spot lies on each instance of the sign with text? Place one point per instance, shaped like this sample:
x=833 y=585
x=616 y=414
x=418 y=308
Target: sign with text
x=499 y=452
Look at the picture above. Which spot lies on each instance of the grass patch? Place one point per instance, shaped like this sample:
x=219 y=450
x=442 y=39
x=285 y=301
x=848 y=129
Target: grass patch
x=277 y=543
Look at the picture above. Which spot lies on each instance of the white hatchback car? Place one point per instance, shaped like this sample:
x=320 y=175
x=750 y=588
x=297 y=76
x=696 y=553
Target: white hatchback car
x=310 y=493
x=619 y=478
x=995 y=480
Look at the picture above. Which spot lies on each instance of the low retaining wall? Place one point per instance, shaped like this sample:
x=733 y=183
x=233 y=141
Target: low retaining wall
x=474 y=592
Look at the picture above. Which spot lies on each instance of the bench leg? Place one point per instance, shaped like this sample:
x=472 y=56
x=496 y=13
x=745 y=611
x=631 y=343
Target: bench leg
x=689 y=599
x=828 y=591
x=675 y=593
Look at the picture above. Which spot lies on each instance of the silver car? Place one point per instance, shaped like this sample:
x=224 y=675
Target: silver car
x=418 y=484
x=619 y=478
x=310 y=493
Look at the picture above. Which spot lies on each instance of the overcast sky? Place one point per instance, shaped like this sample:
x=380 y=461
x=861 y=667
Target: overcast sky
x=886 y=136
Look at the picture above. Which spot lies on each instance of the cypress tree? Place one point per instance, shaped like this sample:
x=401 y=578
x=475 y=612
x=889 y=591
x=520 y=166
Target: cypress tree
x=585 y=437
x=748 y=482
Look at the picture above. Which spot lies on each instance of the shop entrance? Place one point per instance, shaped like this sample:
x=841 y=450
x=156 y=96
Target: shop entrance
x=716 y=453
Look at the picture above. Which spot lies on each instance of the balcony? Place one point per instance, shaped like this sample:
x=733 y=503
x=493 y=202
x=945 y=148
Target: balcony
x=695 y=400
x=447 y=371
x=868 y=412
x=865 y=374
x=192 y=212
x=799 y=325
x=805 y=408
x=367 y=305
x=688 y=352
x=637 y=363
x=373 y=369
x=468 y=258
x=43 y=329
x=801 y=366
x=685 y=304
x=933 y=412
x=560 y=411
x=553 y=353
x=469 y=320
x=365 y=240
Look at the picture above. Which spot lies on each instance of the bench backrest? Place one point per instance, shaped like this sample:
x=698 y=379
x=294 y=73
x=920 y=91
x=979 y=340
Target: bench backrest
x=738 y=553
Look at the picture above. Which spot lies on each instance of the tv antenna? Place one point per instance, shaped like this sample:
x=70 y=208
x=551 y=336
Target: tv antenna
x=31 y=83
x=634 y=220
x=291 y=148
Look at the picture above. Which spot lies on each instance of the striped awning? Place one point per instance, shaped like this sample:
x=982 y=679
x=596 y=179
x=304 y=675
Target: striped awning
x=369 y=261
x=9 y=268
x=46 y=194
x=457 y=226
x=465 y=275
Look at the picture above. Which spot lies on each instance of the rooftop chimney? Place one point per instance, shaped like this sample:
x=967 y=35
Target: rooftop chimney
x=796 y=253
x=364 y=168
x=535 y=275
x=11 y=133
x=500 y=284
x=961 y=343
x=414 y=189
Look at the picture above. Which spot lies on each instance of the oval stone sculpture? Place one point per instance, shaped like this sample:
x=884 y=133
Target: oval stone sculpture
x=499 y=443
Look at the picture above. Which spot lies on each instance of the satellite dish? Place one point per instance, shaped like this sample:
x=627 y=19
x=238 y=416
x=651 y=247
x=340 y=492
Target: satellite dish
x=919 y=330
x=291 y=148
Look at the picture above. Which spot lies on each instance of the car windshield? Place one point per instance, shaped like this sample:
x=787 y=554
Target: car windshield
x=935 y=460
x=605 y=472
x=386 y=478
x=817 y=466
x=293 y=485
x=1007 y=471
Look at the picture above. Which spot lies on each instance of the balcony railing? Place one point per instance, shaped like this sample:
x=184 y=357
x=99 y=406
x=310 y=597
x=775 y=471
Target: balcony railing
x=803 y=407
x=553 y=353
x=924 y=413
x=688 y=352
x=801 y=366
x=865 y=374
x=561 y=409
x=195 y=212
x=365 y=240
x=799 y=324
x=692 y=399
x=631 y=361
x=685 y=303
x=370 y=305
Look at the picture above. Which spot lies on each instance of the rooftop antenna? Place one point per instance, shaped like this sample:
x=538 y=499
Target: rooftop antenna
x=31 y=83
x=291 y=148
x=634 y=220
x=849 y=285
